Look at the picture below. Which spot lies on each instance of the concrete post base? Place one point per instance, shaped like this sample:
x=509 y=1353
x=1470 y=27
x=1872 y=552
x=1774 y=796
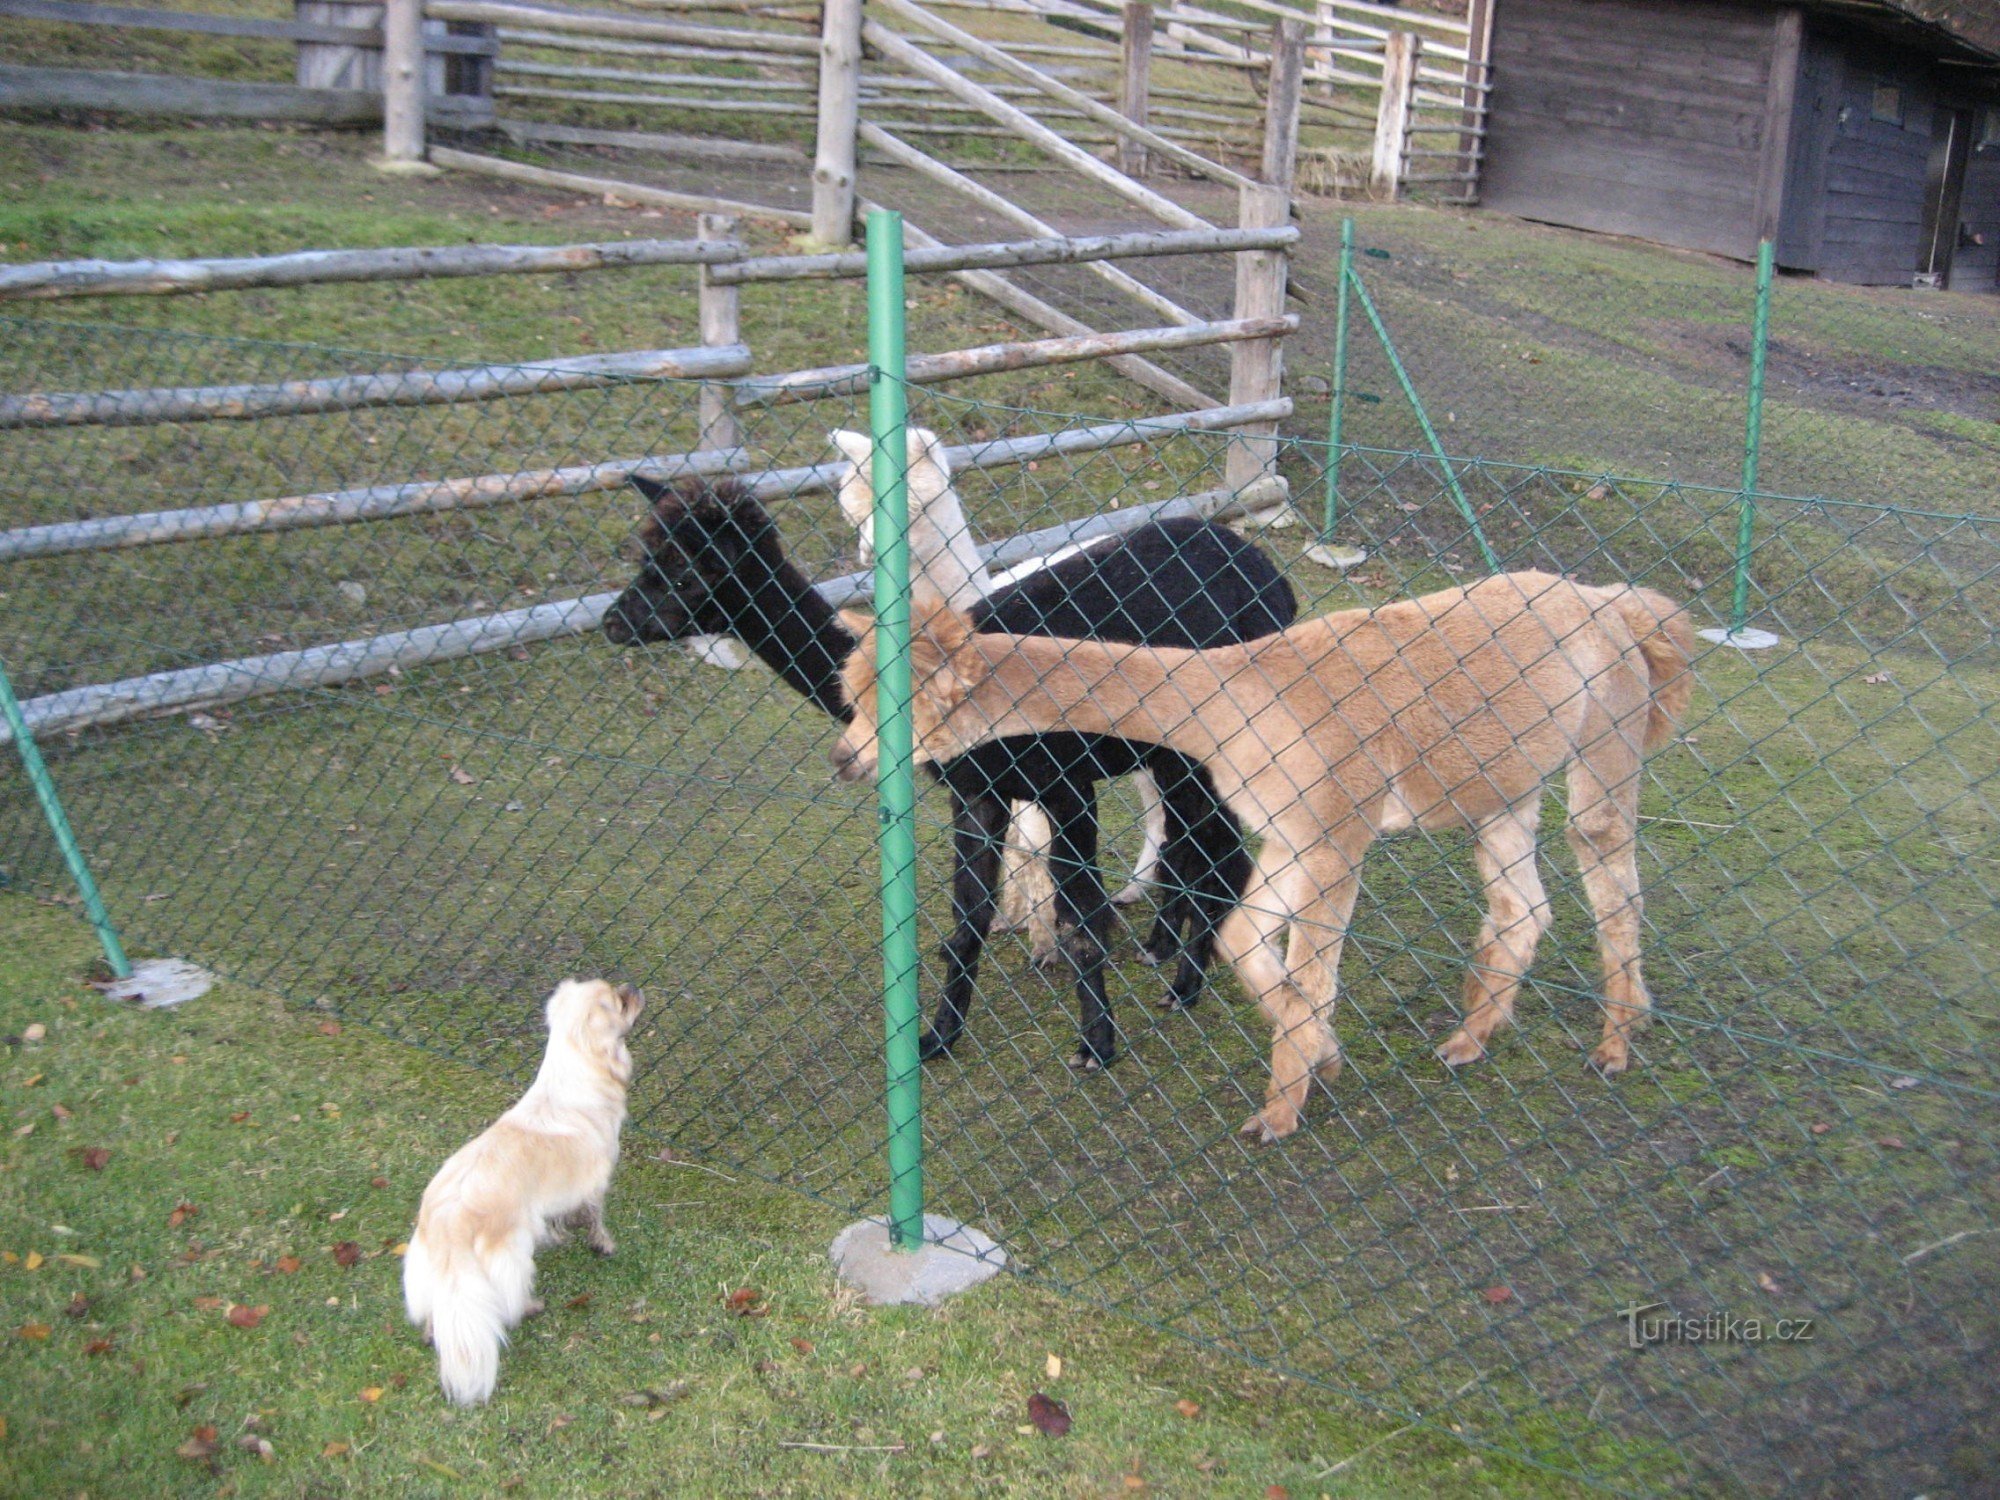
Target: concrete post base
x=954 y=1258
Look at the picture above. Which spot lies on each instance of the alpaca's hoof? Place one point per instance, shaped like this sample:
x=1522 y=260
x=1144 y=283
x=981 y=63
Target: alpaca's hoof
x=1046 y=954
x=1271 y=1124
x=931 y=1046
x=1131 y=895
x=1172 y=1002
x=1088 y=1062
x=1610 y=1058
x=1151 y=959
x=1459 y=1049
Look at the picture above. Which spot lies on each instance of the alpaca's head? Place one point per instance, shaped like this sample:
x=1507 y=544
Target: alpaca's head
x=699 y=542
x=943 y=668
x=939 y=536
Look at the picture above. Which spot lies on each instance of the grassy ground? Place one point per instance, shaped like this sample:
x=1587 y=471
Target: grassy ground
x=425 y=852
x=245 y=1142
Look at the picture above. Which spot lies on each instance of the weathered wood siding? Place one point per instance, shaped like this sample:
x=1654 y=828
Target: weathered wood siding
x=1631 y=117
x=1977 y=268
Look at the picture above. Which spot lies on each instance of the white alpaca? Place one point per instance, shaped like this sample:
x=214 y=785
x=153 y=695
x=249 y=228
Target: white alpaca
x=944 y=557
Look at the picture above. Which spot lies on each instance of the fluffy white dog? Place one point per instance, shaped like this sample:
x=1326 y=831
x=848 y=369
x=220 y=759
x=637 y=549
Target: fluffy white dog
x=469 y=1274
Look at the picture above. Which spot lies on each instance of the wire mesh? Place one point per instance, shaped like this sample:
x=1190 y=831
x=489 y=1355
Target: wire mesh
x=1805 y=1132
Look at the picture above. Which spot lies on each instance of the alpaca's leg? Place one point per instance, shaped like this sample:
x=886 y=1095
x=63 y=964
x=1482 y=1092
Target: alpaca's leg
x=978 y=825
x=1603 y=832
x=1517 y=914
x=1147 y=871
x=1027 y=892
x=1178 y=877
x=1082 y=915
x=1302 y=1040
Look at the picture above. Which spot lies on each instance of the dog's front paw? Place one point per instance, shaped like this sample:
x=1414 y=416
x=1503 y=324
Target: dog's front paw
x=535 y=1308
x=1272 y=1123
x=603 y=1244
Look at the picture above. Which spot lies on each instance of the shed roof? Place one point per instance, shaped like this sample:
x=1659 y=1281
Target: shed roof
x=1973 y=25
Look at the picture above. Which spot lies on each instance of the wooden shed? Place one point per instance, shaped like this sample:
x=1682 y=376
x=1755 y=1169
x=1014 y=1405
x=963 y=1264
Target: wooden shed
x=1863 y=136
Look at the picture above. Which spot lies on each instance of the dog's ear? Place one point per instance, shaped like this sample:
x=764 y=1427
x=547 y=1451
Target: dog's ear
x=631 y=1001
x=856 y=447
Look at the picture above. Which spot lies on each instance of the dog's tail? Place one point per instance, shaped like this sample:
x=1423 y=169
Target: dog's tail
x=472 y=1300
x=1666 y=640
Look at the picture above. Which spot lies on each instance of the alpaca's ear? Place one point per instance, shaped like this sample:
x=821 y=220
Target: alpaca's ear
x=655 y=490
x=856 y=447
x=856 y=622
x=924 y=447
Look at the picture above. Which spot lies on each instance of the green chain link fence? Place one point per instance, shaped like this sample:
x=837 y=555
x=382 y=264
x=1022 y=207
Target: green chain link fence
x=1806 y=1132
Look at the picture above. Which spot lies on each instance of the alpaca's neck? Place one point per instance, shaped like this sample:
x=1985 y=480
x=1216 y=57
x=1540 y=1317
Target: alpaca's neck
x=943 y=555
x=1154 y=695
x=791 y=628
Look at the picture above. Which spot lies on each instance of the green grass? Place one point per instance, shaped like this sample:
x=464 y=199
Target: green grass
x=1819 y=866
x=283 y=1141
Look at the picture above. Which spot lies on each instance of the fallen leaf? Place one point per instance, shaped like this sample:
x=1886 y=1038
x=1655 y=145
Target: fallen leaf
x=9 y=1258
x=1765 y=1283
x=34 y=1260
x=1876 y=679
x=1052 y=1366
x=445 y=1469
x=746 y=1302
x=60 y=1111
x=36 y=1331
x=206 y=1432
x=372 y=1394
x=289 y=1264
x=330 y=1028
x=400 y=1249
x=1187 y=1408
x=346 y=1253
x=580 y=1301
x=980 y=1450
x=767 y=1367
x=1890 y=1142
x=79 y=1306
x=335 y=1450
x=251 y=1443
x=248 y=1317
x=87 y=1262
x=34 y=1032
x=31 y=1082
x=208 y=1304
x=181 y=1214
x=97 y=1346
x=96 y=1158
x=1902 y=1083
x=857 y=1370
x=1498 y=1294
x=1050 y=1417
x=239 y=1117
x=399 y=1380
x=378 y=1182
x=1278 y=1491
x=27 y=1129
x=804 y=1346
x=1821 y=1128
x=463 y=777
x=197 y=1448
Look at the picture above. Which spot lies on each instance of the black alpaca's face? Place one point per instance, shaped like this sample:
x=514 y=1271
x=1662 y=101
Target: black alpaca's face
x=688 y=561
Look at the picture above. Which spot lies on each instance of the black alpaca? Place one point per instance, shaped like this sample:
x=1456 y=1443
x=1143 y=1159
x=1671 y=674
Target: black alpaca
x=715 y=565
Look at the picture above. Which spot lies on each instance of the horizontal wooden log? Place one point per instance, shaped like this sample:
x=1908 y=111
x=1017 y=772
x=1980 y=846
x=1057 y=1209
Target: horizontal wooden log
x=170 y=94
x=595 y=23
x=513 y=171
x=924 y=65
x=375 y=502
x=988 y=359
x=656 y=80
x=349 y=661
x=1039 y=252
x=513 y=39
x=530 y=132
x=43 y=280
x=906 y=155
x=206 y=24
x=666 y=101
x=1029 y=74
x=135 y=408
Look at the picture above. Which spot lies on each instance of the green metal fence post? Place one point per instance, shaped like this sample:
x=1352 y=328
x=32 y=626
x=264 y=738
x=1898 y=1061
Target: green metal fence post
x=58 y=820
x=1753 y=442
x=896 y=783
x=1339 y=391
x=1465 y=510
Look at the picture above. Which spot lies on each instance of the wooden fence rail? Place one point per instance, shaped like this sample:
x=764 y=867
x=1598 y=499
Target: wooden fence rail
x=136 y=408
x=156 y=278
x=206 y=24
x=1040 y=252
x=348 y=661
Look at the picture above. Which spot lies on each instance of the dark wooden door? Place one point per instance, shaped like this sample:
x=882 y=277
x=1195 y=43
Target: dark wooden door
x=1951 y=148
x=1815 y=119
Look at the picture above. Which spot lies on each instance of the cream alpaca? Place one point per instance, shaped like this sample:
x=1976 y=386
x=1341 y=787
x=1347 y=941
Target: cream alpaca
x=1449 y=711
x=469 y=1273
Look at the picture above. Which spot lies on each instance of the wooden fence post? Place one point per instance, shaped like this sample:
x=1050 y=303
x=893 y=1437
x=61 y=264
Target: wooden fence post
x=718 y=307
x=1257 y=366
x=1135 y=82
x=839 y=116
x=403 y=86
x=1392 y=113
x=1281 y=103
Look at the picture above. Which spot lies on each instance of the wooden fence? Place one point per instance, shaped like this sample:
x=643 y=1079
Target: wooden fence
x=724 y=266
